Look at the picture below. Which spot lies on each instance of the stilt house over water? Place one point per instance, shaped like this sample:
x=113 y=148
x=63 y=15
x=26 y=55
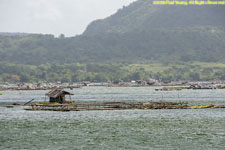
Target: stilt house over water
x=58 y=95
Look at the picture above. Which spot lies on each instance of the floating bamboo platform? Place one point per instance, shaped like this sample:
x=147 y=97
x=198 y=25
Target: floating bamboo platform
x=116 y=106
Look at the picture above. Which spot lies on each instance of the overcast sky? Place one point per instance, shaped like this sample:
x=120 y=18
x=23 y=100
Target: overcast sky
x=69 y=17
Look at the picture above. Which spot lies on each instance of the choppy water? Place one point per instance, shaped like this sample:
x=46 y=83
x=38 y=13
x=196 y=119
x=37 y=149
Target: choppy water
x=129 y=129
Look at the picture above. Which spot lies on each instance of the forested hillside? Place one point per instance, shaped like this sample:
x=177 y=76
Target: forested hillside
x=140 y=33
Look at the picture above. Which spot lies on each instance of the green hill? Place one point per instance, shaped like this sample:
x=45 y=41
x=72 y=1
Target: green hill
x=141 y=33
x=144 y=16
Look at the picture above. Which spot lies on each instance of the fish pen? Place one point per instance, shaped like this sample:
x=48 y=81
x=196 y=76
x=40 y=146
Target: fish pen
x=108 y=106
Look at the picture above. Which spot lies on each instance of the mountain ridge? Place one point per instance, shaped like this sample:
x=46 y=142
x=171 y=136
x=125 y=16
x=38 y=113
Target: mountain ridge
x=140 y=32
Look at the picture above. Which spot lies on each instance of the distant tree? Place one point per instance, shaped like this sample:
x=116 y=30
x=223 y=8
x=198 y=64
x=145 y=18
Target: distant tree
x=24 y=77
x=15 y=78
x=78 y=76
x=194 y=76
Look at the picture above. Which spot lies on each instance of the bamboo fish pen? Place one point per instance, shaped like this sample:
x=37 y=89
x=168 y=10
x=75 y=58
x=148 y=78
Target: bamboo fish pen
x=117 y=106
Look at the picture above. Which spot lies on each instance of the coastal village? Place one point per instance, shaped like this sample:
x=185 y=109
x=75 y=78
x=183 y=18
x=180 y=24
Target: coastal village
x=161 y=86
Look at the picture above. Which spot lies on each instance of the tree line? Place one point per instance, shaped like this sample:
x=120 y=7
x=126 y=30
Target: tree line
x=76 y=72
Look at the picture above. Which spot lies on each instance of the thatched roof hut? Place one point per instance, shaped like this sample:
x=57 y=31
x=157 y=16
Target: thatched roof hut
x=58 y=95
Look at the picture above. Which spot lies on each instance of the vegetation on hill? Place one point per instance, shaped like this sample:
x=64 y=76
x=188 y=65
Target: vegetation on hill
x=204 y=44
x=141 y=33
x=77 y=72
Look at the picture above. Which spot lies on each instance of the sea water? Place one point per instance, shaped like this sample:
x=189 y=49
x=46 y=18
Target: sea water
x=119 y=129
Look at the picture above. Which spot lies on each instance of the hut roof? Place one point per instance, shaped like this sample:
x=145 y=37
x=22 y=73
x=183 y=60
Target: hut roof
x=57 y=92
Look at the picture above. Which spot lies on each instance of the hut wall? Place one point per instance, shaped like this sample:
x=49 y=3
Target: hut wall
x=59 y=99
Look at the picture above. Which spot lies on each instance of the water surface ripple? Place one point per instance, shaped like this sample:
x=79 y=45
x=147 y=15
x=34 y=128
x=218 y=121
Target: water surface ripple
x=129 y=129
